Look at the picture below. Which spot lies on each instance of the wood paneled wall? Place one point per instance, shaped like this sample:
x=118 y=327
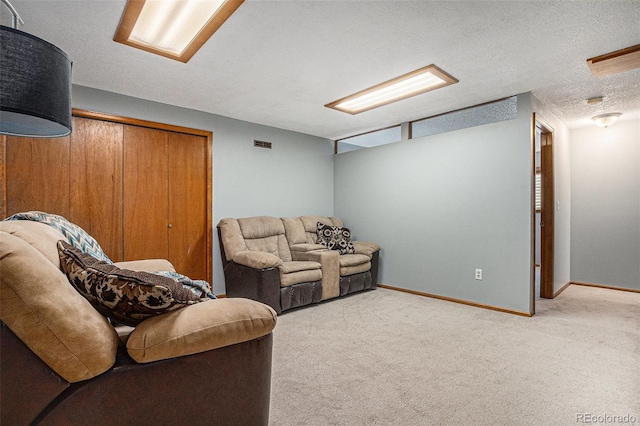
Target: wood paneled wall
x=142 y=189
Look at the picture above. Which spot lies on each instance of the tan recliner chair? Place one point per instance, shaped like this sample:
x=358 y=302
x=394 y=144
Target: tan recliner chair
x=62 y=362
x=258 y=264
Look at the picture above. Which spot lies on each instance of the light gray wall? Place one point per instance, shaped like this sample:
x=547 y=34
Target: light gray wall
x=562 y=192
x=292 y=179
x=346 y=147
x=443 y=205
x=605 y=220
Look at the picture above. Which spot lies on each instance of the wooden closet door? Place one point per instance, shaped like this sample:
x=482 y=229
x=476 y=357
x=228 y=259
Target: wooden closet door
x=37 y=175
x=145 y=194
x=125 y=184
x=95 y=179
x=188 y=204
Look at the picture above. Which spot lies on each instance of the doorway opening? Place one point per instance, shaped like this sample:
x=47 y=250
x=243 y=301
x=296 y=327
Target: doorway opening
x=544 y=213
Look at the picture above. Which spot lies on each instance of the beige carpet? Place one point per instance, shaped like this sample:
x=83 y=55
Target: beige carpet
x=390 y=358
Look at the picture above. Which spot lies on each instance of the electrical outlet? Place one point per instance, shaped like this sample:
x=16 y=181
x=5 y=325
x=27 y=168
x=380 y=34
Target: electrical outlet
x=479 y=274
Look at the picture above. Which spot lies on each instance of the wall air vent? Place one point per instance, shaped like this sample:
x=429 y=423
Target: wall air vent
x=261 y=144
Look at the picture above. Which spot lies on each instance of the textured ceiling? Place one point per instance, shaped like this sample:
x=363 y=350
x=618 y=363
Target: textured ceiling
x=279 y=62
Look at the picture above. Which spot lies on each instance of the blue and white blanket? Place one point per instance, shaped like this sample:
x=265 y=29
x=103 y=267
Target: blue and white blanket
x=80 y=239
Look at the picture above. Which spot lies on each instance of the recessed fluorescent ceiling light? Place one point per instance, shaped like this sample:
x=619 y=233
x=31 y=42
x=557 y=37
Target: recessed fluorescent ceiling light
x=175 y=29
x=614 y=62
x=408 y=85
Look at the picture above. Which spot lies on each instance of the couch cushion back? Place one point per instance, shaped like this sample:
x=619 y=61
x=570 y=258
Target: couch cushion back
x=41 y=237
x=262 y=233
x=231 y=238
x=310 y=224
x=265 y=233
x=44 y=310
x=294 y=230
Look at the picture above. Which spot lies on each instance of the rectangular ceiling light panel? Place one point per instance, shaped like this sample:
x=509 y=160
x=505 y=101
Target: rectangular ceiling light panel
x=615 y=62
x=408 y=85
x=172 y=28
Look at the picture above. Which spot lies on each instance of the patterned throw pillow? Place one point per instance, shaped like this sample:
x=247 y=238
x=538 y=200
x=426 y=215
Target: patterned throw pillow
x=335 y=238
x=77 y=237
x=128 y=297
x=80 y=239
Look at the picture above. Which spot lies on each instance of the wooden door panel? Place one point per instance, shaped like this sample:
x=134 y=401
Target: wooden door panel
x=96 y=182
x=145 y=193
x=111 y=177
x=547 y=218
x=37 y=175
x=187 y=204
x=3 y=176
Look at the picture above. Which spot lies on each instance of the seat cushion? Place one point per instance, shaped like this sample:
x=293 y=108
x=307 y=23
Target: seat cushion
x=354 y=264
x=297 y=272
x=297 y=266
x=353 y=260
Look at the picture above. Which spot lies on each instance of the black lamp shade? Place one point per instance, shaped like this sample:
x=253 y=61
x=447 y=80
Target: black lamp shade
x=35 y=86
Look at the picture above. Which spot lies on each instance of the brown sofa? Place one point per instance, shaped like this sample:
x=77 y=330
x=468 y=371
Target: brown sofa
x=63 y=363
x=278 y=261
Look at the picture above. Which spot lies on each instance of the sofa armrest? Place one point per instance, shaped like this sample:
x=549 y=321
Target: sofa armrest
x=201 y=327
x=262 y=285
x=364 y=247
x=306 y=247
x=329 y=261
x=147 y=265
x=257 y=259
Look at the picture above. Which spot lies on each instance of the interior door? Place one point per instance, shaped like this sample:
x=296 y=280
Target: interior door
x=547 y=216
x=145 y=193
x=95 y=179
x=187 y=168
